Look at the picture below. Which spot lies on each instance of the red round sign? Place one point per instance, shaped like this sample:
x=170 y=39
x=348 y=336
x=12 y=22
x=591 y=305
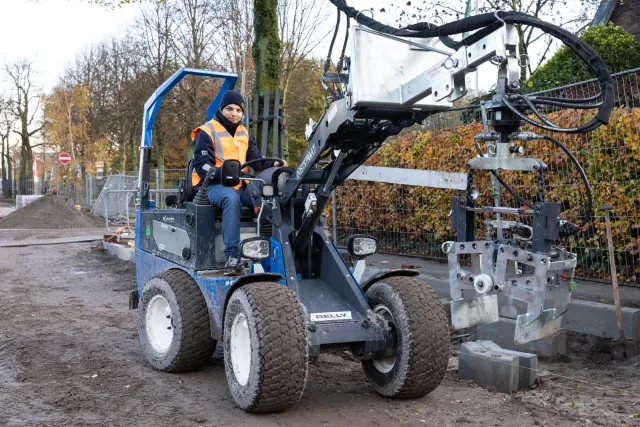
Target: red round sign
x=64 y=158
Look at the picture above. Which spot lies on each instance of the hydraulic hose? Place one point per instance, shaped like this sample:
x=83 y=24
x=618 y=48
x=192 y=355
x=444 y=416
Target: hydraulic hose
x=479 y=22
x=589 y=213
x=327 y=62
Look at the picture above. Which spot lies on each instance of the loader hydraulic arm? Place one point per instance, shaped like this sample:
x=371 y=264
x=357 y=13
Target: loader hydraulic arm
x=355 y=131
x=368 y=108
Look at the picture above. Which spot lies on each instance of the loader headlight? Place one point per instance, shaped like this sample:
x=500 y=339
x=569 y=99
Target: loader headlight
x=267 y=190
x=360 y=246
x=255 y=248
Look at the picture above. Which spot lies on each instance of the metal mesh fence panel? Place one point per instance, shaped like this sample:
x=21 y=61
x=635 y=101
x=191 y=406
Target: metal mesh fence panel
x=114 y=201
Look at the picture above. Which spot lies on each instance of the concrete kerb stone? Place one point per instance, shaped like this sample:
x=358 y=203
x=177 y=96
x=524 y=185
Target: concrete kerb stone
x=528 y=363
x=599 y=319
x=495 y=369
x=122 y=252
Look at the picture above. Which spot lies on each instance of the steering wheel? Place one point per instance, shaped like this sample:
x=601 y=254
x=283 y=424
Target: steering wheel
x=262 y=160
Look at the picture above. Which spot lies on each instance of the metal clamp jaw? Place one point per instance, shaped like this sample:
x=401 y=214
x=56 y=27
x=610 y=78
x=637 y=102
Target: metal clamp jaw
x=532 y=278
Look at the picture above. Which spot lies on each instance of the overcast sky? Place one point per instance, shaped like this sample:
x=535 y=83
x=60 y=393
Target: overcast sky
x=52 y=32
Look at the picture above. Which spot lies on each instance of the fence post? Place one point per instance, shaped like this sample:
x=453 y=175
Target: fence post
x=276 y=152
x=157 y=188
x=87 y=192
x=254 y=118
x=265 y=124
x=334 y=217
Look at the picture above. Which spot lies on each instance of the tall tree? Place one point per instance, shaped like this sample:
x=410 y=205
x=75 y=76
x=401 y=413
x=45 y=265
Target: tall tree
x=266 y=46
x=21 y=105
x=6 y=127
x=155 y=28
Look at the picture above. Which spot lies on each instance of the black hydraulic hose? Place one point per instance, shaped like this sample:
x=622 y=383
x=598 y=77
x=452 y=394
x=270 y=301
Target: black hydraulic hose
x=564 y=104
x=536 y=112
x=553 y=128
x=501 y=181
x=344 y=49
x=569 y=100
x=327 y=63
x=582 y=49
x=583 y=175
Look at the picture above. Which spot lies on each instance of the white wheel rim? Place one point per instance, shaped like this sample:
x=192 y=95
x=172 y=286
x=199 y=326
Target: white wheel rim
x=158 y=324
x=240 y=344
x=385 y=364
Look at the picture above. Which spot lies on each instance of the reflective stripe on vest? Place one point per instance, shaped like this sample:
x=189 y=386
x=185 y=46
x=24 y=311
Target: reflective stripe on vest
x=225 y=146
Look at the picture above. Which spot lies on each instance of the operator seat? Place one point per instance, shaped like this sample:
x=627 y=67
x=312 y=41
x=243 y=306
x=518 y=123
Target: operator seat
x=188 y=193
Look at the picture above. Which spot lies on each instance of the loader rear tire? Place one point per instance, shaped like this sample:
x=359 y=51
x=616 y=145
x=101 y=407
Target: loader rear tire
x=417 y=359
x=266 y=353
x=173 y=323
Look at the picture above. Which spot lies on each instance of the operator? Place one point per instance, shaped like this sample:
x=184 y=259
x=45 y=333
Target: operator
x=223 y=138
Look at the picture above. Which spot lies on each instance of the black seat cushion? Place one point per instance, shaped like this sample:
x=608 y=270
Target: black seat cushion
x=247 y=214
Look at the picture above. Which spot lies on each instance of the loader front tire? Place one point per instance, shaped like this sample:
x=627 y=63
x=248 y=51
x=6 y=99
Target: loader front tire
x=173 y=323
x=419 y=352
x=265 y=347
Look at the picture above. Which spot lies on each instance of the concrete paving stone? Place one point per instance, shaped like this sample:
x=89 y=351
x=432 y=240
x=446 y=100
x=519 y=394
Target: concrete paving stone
x=490 y=369
x=503 y=332
x=528 y=364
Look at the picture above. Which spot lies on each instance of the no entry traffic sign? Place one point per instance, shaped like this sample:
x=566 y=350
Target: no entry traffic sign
x=64 y=158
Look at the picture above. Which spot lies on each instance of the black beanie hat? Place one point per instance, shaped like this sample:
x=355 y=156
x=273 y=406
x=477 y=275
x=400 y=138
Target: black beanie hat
x=232 y=97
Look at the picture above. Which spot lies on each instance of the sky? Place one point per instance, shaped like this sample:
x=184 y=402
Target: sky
x=53 y=32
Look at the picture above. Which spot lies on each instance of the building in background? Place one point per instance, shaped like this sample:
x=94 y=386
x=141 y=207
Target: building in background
x=624 y=13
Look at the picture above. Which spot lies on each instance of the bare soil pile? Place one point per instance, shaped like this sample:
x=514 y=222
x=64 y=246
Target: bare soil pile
x=51 y=212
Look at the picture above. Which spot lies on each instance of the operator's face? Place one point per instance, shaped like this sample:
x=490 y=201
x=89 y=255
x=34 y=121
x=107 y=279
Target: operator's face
x=233 y=113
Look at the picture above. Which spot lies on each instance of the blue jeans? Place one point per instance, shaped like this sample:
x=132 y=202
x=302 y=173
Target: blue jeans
x=230 y=201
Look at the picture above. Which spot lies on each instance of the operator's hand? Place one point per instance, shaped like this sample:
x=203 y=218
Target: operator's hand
x=211 y=173
x=278 y=163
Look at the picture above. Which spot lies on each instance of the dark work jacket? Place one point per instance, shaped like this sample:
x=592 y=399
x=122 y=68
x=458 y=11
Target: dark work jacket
x=203 y=154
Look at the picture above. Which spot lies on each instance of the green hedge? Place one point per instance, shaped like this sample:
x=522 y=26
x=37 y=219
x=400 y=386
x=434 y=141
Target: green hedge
x=618 y=49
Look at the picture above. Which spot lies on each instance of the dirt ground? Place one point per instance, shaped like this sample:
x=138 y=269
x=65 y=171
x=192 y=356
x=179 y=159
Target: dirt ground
x=69 y=356
x=50 y=212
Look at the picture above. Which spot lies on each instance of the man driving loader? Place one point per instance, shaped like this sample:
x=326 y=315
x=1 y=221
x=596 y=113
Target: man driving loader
x=223 y=138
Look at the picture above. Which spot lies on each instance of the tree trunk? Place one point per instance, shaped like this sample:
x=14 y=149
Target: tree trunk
x=26 y=160
x=134 y=154
x=266 y=53
x=159 y=148
x=4 y=169
x=9 y=192
x=266 y=46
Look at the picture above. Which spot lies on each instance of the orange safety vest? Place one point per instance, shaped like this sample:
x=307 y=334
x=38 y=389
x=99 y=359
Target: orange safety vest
x=225 y=146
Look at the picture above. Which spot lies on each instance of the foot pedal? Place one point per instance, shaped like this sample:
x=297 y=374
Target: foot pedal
x=232 y=273
x=469 y=312
x=544 y=326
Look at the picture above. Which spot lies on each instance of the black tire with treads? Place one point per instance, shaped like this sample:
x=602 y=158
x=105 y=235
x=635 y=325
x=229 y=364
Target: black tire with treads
x=422 y=338
x=191 y=345
x=279 y=349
